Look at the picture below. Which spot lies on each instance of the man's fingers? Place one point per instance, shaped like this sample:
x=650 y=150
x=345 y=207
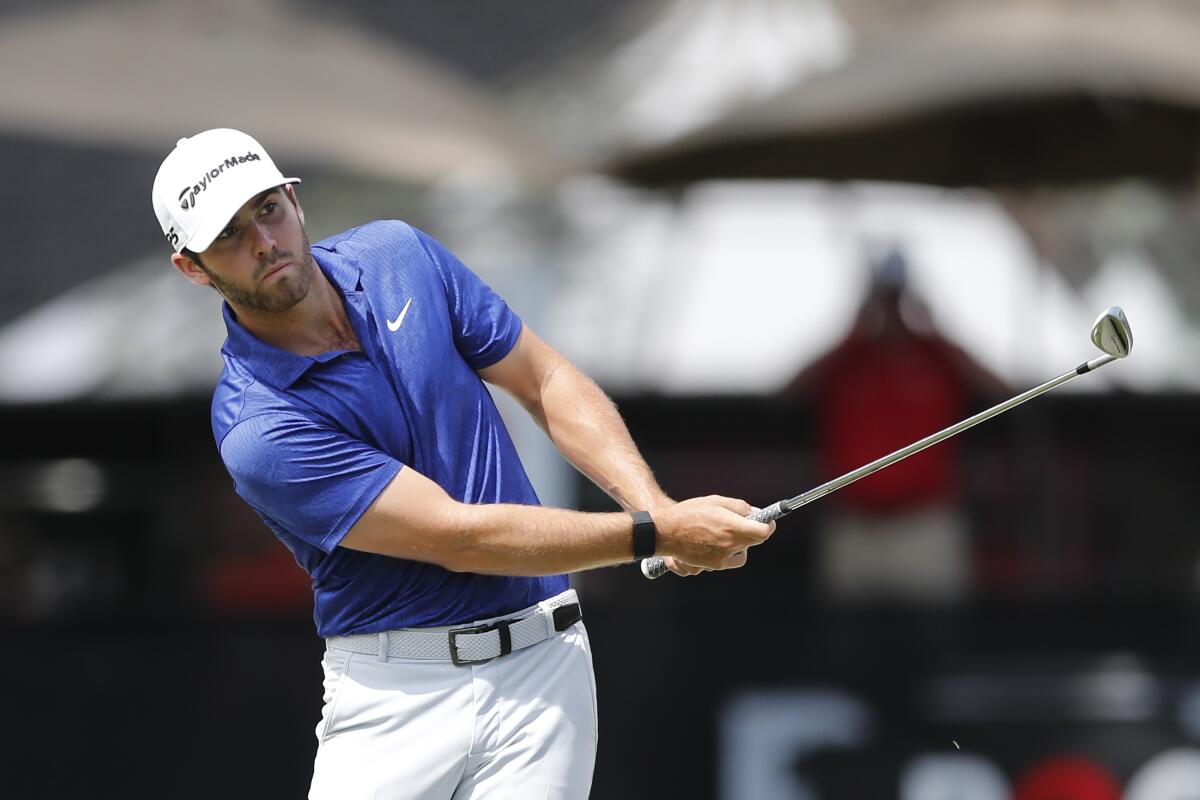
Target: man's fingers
x=682 y=569
x=757 y=532
x=739 y=507
x=744 y=509
x=755 y=510
x=713 y=531
x=736 y=560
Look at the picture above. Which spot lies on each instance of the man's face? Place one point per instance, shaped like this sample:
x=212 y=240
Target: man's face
x=262 y=259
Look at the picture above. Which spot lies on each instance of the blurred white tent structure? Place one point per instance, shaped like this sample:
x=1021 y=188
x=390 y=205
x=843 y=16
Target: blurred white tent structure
x=1015 y=93
x=737 y=285
x=136 y=73
x=139 y=333
x=722 y=288
x=686 y=65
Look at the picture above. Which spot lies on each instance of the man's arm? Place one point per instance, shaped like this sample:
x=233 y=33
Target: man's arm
x=583 y=424
x=414 y=518
x=580 y=420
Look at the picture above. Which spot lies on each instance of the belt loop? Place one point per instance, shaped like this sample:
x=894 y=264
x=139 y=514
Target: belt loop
x=502 y=628
x=383 y=645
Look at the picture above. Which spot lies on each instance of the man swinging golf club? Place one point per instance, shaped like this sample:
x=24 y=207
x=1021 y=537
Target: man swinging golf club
x=353 y=417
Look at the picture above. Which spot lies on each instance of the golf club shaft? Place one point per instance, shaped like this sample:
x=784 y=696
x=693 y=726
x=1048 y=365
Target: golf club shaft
x=655 y=566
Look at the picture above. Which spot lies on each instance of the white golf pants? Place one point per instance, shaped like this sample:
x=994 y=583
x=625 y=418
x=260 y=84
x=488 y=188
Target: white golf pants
x=522 y=726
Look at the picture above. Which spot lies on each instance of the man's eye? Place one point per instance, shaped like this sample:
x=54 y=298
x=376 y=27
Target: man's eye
x=225 y=234
x=269 y=207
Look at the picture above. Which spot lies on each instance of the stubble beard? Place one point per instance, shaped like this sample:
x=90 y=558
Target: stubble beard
x=286 y=291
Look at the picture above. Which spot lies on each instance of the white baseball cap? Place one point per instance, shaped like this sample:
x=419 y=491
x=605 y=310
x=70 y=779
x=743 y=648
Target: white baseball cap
x=205 y=180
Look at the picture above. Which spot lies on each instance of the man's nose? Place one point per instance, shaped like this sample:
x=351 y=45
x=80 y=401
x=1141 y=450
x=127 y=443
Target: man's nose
x=262 y=240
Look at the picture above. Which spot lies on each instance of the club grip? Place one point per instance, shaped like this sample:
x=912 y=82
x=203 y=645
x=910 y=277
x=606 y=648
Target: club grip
x=768 y=514
x=656 y=566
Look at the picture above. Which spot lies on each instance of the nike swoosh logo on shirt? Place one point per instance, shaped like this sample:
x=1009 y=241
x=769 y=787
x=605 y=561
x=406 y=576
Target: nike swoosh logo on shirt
x=394 y=325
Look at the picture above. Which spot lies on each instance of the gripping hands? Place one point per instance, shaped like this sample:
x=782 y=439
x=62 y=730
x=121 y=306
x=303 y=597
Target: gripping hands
x=707 y=533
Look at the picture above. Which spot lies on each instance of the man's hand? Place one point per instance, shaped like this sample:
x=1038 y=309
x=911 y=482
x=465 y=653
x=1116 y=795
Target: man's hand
x=707 y=533
x=686 y=570
x=678 y=567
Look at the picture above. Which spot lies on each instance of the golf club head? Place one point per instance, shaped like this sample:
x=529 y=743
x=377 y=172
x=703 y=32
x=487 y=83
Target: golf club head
x=1111 y=332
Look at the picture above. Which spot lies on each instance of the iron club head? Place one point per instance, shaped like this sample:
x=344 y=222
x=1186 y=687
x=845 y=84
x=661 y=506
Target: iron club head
x=1111 y=332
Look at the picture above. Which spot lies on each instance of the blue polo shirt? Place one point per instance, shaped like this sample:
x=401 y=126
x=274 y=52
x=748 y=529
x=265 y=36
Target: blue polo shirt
x=311 y=441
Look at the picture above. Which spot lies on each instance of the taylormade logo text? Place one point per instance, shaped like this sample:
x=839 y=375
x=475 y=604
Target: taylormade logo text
x=187 y=198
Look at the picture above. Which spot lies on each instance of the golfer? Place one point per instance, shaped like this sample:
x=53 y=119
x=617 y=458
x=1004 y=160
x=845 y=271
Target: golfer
x=352 y=416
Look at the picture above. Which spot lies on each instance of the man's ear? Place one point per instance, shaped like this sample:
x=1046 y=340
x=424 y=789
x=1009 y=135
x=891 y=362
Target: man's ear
x=190 y=269
x=290 y=191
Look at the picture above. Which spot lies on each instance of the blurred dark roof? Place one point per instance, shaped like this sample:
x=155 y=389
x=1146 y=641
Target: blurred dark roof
x=492 y=42
x=1018 y=93
x=75 y=211
x=70 y=213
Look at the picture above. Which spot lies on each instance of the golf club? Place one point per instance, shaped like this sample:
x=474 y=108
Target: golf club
x=1110 y=333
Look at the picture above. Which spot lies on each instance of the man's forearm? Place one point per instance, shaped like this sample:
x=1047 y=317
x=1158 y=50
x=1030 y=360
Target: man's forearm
x=524 y=540
x=414 y=518
x=533 y=540
x=586 y=428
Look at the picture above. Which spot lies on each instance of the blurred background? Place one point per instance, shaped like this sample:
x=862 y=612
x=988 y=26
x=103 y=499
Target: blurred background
x=787 y=236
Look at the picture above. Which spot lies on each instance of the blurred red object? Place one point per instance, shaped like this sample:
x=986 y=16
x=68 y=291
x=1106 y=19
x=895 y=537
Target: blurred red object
x=1067 y=777
x=270 y=580
x=892 y=381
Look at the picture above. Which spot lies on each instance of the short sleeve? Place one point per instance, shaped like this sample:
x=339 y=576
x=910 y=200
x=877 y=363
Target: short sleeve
x=313 y=480
x=485 y=328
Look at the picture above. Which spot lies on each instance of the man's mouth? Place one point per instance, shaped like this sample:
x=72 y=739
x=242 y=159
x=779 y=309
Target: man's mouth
x=271 y=271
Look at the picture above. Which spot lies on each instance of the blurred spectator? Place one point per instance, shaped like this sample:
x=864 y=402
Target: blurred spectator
x=901 y=532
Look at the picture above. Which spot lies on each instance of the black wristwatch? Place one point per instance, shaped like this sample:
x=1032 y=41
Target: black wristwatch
x=645 y=535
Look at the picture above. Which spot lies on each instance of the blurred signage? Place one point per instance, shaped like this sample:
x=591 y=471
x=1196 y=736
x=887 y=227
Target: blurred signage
x=1103 y=733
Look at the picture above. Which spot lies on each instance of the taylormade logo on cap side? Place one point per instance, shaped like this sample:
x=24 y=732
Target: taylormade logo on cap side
x=187 y=198
x=194 y=170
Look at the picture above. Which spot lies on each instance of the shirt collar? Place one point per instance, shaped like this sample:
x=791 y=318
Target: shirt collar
x=342 y=271
x=273 y=365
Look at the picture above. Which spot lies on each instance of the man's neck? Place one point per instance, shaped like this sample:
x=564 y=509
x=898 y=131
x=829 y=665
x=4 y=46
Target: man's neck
x=315 y=325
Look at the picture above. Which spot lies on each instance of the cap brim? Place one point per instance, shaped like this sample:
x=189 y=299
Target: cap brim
x=208 y=231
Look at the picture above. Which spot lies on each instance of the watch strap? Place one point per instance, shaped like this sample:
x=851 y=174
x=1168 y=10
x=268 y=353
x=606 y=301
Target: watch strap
x=645 y=535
